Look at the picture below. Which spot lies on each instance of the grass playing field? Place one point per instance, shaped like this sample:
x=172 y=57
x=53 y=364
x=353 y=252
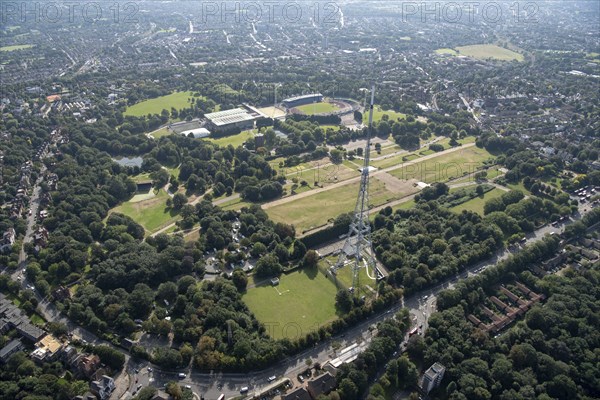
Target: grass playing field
x=444 y=167
x=487 y=51
x=177 y=100
x=302 y=302
x=152 y=214
x=477 y=203
x=317 y=108
x=315 y=210
x=16 y=47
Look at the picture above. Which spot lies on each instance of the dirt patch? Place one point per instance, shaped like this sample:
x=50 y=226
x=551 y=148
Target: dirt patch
x=395 y=185
x=272 y=112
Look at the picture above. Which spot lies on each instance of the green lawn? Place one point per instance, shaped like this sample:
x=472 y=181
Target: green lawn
x=234 y=140
x=316 y=210
x=160 y=133
x=234 y=204
x=177 y=100
x=444 y=167
x=489 y=51
x=386 y=150
x=518 y=186
x=405 y=206
x=302 y=302
x=318 y=108
x=378 y=114
x=152 y=214
x=16 y=47
x=477 y=203
x=144 y=177
x=394 y=160
x=334 y=127
x=345 y=277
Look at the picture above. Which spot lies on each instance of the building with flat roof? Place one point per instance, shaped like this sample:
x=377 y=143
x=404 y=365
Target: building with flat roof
x=11 y=348
x=432 y=377
x=302 y=100
x=47 y=349
x=230 y=120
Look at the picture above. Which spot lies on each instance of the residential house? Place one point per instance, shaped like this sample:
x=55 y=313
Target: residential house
x=8 y=240
x=103 y=387
x=297 y=394
x=322 y=384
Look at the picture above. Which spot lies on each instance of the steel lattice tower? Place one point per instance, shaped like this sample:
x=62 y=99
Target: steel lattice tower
x=358 y=245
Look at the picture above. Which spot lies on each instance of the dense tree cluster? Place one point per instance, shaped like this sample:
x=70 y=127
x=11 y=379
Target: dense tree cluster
x=548 y=355
x=21 y=378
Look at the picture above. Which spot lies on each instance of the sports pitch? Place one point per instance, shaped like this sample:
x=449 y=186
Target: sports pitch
x=302 y=302
x=489 y=51
x=318 y=108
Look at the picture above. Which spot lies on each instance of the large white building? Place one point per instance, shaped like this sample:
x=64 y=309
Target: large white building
x=432 y=377
x=236 y=118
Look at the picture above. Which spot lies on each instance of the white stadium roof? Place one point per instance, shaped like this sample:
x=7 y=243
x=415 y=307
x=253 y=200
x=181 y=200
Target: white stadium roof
x=227 y=117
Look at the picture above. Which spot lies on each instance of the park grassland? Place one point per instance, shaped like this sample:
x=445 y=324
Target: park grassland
x=161 y=132
x=234 y=140
x=378 y=113
x=151 y=213
x=345 y=277
x=318 y=108
x=316 y=210
x=177 y=100
x=444 y=167
x=303 y=301
x=489 y=51
x=476 y=204
x=16 y=47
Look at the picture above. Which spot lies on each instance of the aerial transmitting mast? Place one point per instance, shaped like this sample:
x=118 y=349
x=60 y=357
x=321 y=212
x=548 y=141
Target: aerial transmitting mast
x=358 y=248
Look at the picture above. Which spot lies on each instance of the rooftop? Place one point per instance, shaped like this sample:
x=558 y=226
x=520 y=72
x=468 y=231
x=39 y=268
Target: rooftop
x=304 y=96
x=227 y=117
x=10 y=347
